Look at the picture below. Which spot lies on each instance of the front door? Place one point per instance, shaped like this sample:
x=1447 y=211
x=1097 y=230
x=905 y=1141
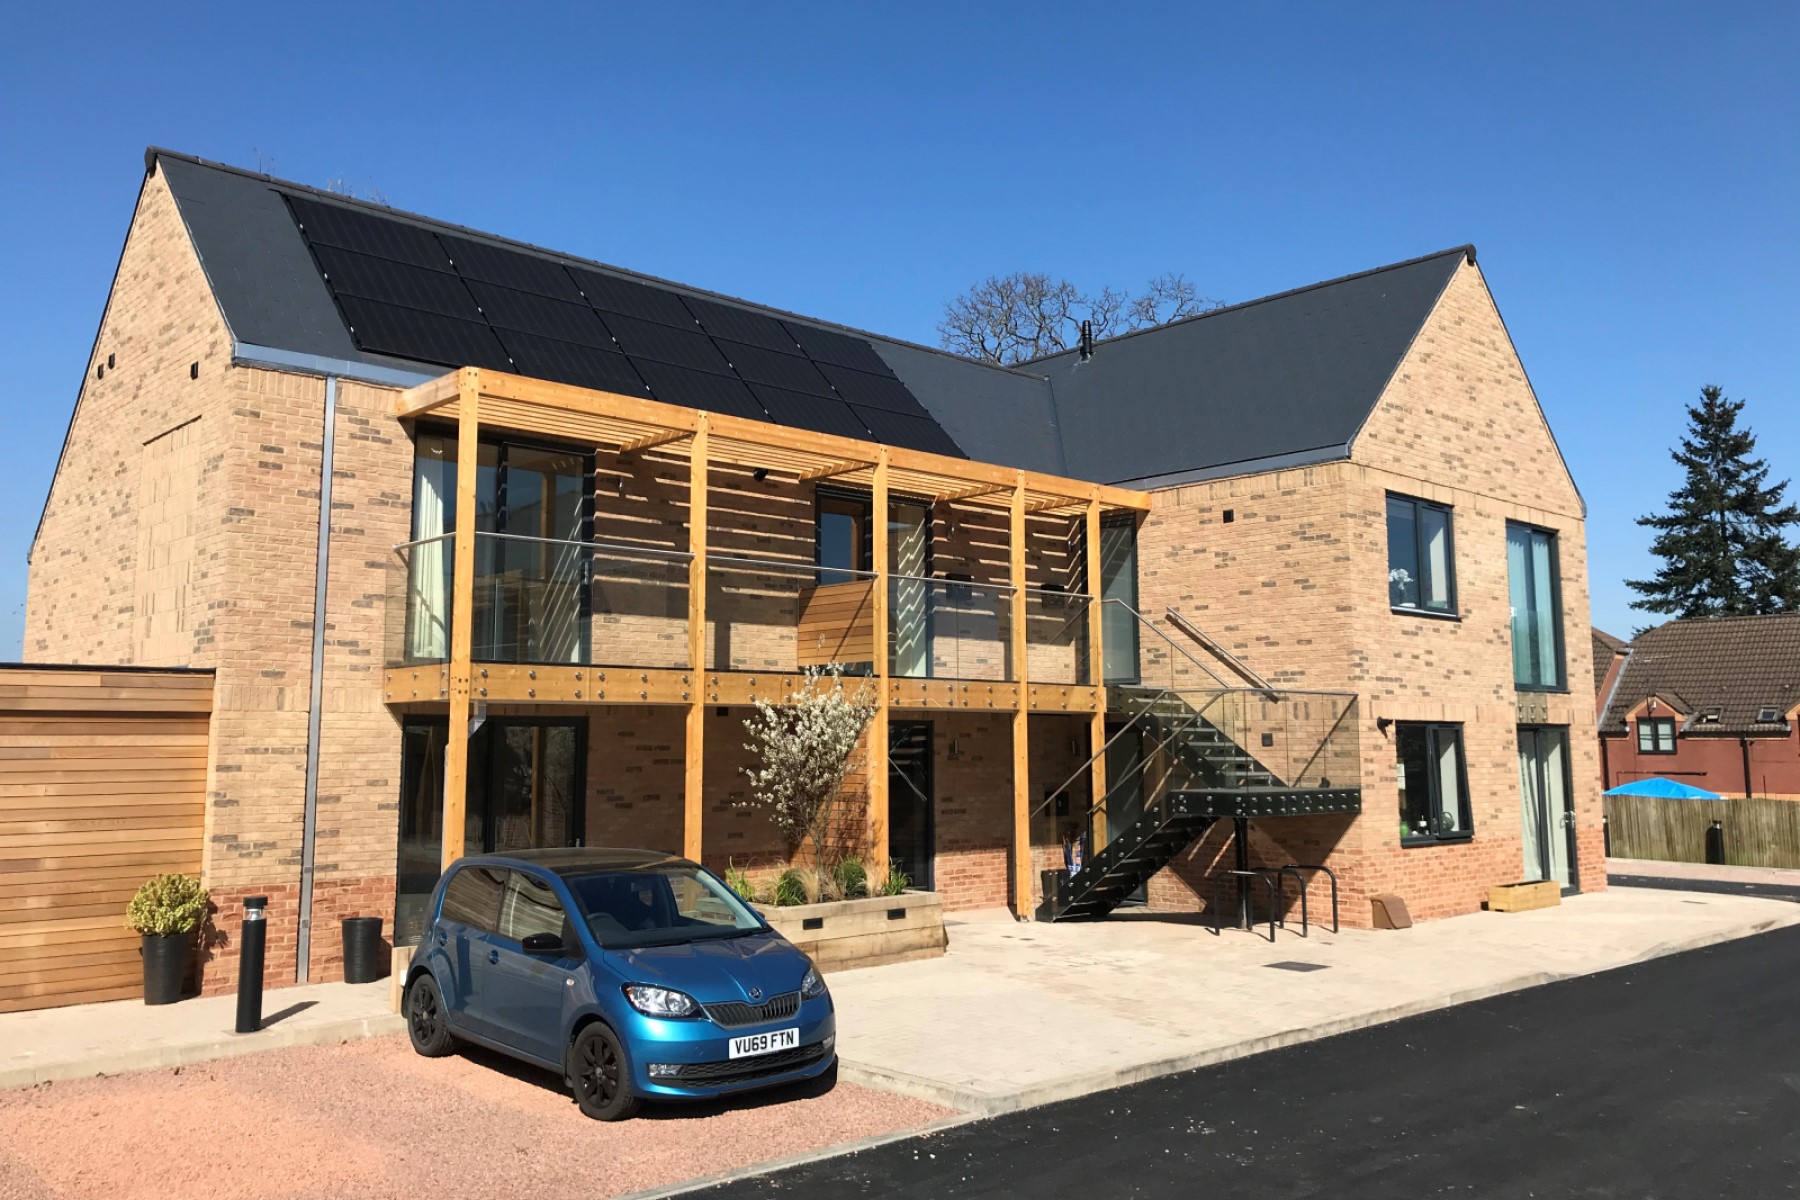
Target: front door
x=911 y=833
x=1546 y=808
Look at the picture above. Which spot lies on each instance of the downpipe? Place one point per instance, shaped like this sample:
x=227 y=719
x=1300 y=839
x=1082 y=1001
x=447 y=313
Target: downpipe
x=309 y=830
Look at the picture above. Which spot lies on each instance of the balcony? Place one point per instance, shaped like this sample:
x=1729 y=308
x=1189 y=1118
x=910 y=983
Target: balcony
x=554 y=606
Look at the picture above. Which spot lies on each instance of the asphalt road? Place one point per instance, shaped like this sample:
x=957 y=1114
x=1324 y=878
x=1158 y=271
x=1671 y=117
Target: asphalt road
x=1678 y=1077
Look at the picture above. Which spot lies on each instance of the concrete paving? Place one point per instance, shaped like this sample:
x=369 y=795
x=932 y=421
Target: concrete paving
x=1653 y=869
x=84 y=1040
x=1016 y=1015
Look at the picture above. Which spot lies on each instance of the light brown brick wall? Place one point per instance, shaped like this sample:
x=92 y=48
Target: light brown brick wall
x=1296 y=586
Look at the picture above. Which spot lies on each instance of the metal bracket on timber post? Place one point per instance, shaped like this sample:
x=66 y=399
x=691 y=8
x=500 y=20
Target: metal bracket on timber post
x=878 y=727
x=462 y=611
x=693 y=841
x=1096 y=677
x=1021 y=724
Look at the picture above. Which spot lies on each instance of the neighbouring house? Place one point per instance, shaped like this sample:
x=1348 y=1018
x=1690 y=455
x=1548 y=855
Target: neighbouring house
x=1610 y=654
x=1709 y=703
x=488 y=546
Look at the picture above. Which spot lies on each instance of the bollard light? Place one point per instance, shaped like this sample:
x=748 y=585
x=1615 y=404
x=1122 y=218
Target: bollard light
x=252 y=937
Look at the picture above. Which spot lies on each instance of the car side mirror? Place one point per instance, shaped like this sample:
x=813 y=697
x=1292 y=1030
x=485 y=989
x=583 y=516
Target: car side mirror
x=542 y=943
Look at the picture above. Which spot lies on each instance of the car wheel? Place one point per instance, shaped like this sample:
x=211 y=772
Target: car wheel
x=600 y=1076
x=425 y=1018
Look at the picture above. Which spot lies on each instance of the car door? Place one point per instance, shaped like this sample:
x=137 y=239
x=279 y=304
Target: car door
x=530 y=990
x=469 y=916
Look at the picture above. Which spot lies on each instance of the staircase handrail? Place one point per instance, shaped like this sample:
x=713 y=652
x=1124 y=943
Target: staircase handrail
x=1099 y=802
x=1188 y=627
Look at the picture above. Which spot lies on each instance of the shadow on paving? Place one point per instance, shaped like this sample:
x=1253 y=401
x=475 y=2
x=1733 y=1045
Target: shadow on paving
x=1676 y=1077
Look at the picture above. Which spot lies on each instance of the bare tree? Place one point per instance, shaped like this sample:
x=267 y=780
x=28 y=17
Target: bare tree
x=1013 y=318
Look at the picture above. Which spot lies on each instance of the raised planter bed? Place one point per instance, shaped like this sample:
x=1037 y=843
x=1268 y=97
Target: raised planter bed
x=843 y=934
x=1523 y=897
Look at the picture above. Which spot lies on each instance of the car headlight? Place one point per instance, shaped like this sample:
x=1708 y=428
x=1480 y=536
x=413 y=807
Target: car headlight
x=812 y=986
x=660 y=1001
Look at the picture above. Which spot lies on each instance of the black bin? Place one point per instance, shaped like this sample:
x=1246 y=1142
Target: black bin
x=362 y=949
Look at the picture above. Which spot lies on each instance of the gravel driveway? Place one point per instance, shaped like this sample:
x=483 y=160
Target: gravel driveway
x=372 y=1119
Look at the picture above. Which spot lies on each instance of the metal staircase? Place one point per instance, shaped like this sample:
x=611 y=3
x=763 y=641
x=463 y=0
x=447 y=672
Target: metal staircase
x=1206 y=752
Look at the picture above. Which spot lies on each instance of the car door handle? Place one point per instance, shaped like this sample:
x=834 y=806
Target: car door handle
x=493 y=956
x=440 y=937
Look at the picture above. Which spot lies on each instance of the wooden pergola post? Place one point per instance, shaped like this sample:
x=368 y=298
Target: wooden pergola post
x=1096 y=675
x=877 y=757
x=1021 y=722
x=693 y=842
x=462 y=613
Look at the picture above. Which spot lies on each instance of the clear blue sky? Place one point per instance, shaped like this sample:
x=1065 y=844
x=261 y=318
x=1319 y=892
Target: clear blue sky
x=1630 y=172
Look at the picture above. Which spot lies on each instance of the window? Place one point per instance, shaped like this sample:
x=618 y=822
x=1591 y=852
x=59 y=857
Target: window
x=1768 y=715
x=529 y=906
x=1656 y=735
x=659 y=906
x=1434 y=785
x=1532 y=584
x=1421 y=556
x=1118 y=582
x=473 y=898
x=844 y=541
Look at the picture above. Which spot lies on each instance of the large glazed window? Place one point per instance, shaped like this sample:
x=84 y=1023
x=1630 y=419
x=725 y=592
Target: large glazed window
x=1531 y=576
x=1421 y=556
x=1118 y=582
x=1433 y=782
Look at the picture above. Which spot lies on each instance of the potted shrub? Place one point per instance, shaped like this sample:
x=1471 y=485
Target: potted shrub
x=166 y=912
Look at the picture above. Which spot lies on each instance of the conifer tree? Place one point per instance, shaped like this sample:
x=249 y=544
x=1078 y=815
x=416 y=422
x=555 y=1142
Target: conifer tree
x=1721 y=541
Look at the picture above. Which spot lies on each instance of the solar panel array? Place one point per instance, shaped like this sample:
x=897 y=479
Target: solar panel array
x=416 y=293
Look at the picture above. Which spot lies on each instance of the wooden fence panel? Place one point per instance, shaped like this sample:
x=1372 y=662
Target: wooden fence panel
x=1758 y=832
x=102 y=784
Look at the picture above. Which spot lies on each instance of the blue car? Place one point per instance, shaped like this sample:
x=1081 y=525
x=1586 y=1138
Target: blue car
x=635 y=974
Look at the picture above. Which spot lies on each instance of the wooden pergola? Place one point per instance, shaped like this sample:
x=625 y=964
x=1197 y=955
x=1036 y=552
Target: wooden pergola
x=477 y=399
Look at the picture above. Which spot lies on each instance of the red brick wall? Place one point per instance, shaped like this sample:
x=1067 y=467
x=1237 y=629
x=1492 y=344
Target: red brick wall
x=1713 y=763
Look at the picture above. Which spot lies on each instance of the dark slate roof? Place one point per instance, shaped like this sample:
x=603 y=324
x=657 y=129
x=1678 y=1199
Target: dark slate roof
x=1731 y=666
x=274 y=299
x=1285 y=380
x=1606 y=648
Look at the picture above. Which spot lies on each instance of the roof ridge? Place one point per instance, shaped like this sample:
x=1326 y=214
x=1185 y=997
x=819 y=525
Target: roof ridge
x=1467 y=249
x=151 y=153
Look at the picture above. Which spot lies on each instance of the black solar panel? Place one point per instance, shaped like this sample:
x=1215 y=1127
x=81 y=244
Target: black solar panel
x=788 y=371
x=507 y=309
x=396 y=283
x=915 y=433
x=827 y=346
x=873 y=391
x=821 y=414
x=409 y=333
x=510 y=268
x=739 y=325
x=699 y=389
x=633 y=299
x=666 y=344
x=436 y=297
x=348 y=229
x=565 y=362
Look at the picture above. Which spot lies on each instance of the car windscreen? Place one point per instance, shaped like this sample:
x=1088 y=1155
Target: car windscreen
x=658 y=907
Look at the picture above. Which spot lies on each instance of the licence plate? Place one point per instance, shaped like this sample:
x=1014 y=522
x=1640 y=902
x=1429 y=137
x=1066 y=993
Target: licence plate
x=764 y=1043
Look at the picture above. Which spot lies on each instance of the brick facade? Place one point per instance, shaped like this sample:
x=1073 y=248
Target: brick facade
x=182 y=528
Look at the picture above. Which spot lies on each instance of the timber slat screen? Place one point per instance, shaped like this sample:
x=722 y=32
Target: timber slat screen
x=102 y=785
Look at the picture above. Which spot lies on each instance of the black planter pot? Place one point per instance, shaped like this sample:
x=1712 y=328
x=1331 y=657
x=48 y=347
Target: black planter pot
x=165 y=966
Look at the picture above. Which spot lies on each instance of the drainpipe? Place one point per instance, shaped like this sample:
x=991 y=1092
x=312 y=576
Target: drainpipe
x=1744 y=745
x=309 y=830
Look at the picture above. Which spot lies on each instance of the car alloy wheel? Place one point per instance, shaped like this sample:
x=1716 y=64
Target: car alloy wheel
x=600 y=1076
x=425 y=1022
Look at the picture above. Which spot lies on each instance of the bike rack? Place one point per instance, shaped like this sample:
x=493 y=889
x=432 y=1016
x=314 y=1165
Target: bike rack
x=1297 y=869
x=1268 y=880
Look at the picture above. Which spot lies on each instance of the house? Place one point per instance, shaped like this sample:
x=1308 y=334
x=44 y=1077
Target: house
x=1610 y=654
x=488 y=545
x=1709 y=703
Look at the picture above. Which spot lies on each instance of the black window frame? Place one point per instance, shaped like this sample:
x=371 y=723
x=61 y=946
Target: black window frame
x=1653 y=725
x=1433 y=730
x=1562 y=659
x=1452 y=611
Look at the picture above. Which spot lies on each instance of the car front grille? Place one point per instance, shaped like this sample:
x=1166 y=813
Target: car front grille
x=739 y=1069
x=733 y=1015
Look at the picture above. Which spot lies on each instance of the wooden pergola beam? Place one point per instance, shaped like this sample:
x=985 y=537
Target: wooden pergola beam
x=462 y=616
x=832 y=470
x=986 y=489
x=433 y=393
x=693 y=838
x=1021 y=722
x=650 y=440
